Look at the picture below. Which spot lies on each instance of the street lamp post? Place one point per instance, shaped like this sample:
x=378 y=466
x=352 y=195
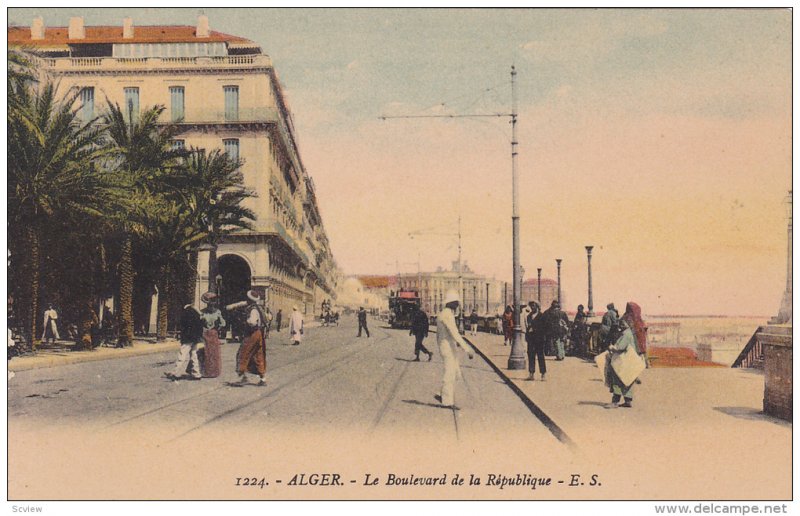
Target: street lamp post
x=474 y=297
x=539 y=286
x=517 y=358
x=487 y=298
x=558 y=266
x=590 y=313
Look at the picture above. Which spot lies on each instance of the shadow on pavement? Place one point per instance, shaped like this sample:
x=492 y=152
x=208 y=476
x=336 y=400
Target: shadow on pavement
x=434 y=405
x=594 y=403
x=752 y=415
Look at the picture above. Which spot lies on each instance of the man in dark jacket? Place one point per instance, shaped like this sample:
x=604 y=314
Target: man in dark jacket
x=419 y=328
x=557 y=328
x=536 y=337
x=191 y=328
x=362 y=321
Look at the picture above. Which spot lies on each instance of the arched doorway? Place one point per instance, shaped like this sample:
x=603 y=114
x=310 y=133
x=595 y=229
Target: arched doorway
x=235 y=278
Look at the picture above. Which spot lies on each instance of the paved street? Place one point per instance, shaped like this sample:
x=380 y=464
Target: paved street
x=360 y=399
x=362 y=385
x=352 y=406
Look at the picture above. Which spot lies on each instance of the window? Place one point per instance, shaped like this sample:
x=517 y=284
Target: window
x=231 y=148
x=132 y=103
x=176 y=103
x=231 y=103
x=178 y=144
x=87 y=104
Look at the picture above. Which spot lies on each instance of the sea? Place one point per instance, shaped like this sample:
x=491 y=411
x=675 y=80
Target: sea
x=717 y=339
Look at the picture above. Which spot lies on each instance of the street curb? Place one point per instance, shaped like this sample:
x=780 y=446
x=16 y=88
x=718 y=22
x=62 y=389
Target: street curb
x=551 y=425
x=28 y=363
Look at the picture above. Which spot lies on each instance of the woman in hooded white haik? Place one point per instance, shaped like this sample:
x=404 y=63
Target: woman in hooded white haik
x=296 y=327
x=447 y=335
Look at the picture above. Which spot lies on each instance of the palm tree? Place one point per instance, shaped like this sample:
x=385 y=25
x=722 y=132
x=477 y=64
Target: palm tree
x=51 y=175
x=219 y=196
x=144 y=157
x=206 y=204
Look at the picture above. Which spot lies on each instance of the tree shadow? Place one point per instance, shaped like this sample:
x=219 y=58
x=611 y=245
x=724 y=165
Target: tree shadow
x=752 y=414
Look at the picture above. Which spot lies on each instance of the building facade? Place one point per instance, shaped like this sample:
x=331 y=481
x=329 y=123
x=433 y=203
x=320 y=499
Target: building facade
x=222 y=92
x=476 y=291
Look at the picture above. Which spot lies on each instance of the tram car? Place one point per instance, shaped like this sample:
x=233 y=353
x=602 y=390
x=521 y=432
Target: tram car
x=403 y=304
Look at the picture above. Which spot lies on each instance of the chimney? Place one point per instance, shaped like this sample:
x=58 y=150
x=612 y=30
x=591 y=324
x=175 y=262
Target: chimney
x=127 y=28
x=76 y=30
x=202 y=26
x=37 y=28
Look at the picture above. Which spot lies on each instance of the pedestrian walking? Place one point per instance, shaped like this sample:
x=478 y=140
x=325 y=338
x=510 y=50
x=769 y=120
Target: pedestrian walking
x=191 y=332
x=419 y=329
x=473 y=323
x=609 y=329
x=508 y=325
x=278 y=318
x=557 y=327
x=296 y=327
x=579 y=334
x=498 y=321
x=50 y=327
x=213 y=322
x=535 y=337
x=362 y=321
x=633 y=317
x=623 y=365
x=252 y=356
x=447 y=335
x=268 y=322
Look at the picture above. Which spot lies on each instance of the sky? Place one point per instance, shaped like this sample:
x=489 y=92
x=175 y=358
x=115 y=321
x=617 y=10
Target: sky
x=660 y=137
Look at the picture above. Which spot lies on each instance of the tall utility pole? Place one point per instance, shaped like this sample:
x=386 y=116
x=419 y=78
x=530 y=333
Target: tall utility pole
x=517 y=358
x=590 y=313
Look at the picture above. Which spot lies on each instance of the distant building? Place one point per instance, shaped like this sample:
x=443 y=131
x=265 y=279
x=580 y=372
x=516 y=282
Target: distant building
x=530 y=292
x=223 y=92
x=474 y=289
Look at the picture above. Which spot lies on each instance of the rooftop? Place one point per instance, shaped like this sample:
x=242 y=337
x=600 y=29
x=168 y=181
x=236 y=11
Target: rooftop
x=56 y=36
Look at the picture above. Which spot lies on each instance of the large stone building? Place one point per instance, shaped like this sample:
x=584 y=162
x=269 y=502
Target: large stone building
x=223 y=92
x=484 y=295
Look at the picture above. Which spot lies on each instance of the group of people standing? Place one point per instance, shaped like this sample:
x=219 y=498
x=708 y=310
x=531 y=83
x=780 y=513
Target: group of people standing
x=205 y=326
x=542 y=330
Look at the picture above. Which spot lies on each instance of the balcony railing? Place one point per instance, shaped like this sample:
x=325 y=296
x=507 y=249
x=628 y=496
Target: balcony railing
x=244 y=114
x=126 y=63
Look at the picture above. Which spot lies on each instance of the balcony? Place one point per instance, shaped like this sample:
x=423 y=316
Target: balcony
x=103 y=64
x=203 y=115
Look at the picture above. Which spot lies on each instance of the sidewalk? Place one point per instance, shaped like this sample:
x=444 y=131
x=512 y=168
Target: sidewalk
x=58 y=357
x=684 y=421
x=52 y=358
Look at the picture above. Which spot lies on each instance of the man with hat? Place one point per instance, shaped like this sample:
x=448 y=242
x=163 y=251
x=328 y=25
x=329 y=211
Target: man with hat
x=252 y=356
x=557 y=324
x=609 y=325
x=447 y=335
x=191 y=332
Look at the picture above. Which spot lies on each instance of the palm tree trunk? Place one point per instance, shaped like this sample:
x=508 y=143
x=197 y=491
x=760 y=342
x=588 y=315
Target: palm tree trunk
x=33 y=287
x=126 y=293
x=163 y=303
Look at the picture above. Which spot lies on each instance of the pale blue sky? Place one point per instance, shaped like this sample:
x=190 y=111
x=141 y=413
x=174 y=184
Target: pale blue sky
x=660 y=136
